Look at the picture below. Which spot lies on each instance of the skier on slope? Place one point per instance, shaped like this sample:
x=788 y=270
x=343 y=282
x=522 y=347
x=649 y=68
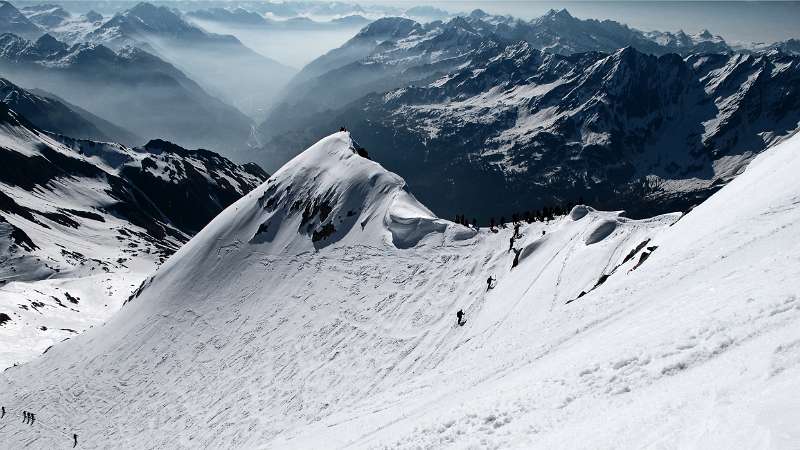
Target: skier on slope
x=3 y=413
x=489 y=282
x=75 y=437
x=460 y=316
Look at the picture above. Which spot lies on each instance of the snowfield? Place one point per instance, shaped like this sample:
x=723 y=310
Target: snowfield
x=319 y=312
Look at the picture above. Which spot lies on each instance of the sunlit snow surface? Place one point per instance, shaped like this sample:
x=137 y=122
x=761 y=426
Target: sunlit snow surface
x=259 y=333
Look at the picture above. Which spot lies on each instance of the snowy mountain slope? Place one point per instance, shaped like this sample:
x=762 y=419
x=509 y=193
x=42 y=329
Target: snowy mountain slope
x=132 y=87
x=83 y=222
x=220 y=63
x=270 y=329
x=560 y=32
x=51 y=114
x=790 y=46
x=519 y=128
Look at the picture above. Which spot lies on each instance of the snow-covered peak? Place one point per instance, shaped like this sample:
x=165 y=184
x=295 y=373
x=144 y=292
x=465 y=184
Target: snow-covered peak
x=561 y=14
x=93 y=16
x=387 y=28
x=328 y=198
x=329 y=194
x=478 y=14
x=47 y=44
x=157 y=18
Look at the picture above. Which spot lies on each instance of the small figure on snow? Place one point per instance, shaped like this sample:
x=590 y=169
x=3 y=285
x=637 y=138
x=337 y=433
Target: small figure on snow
x=489 y=282
x=460 y=316
x=511 y=244
x=75 y=438
x=516 y=257
x=3 y=412
x=516 y=230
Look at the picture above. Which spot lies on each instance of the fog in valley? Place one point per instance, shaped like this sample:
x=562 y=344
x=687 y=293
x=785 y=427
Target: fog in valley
x=288 y=45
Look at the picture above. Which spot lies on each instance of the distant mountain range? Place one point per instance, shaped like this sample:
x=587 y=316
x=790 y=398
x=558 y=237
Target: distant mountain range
x=220 y=63
x=245 y=18
x=60 y=23
x=13 y=21
x=481 y=124
x=130 y=86
x=394 y=52
x=546 y=110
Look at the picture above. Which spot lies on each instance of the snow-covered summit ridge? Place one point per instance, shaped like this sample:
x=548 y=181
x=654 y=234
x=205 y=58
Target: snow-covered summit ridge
x=333 y=189
x=329 y=193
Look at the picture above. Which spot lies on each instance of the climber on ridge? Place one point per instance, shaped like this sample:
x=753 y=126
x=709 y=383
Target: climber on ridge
x=516 y=257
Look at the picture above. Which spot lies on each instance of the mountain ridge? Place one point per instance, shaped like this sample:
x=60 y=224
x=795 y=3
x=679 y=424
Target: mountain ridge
x=356 y=343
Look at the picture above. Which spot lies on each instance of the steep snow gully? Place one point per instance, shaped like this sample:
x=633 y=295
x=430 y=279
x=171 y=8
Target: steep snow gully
x=319 y=312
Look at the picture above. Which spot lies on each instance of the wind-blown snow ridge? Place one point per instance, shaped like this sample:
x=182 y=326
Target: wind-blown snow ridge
x=331 y=189
x=685 y=335
x=327 y=194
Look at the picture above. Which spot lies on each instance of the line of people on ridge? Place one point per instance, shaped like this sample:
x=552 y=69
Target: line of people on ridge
x=491 y=282
x=29 y=418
